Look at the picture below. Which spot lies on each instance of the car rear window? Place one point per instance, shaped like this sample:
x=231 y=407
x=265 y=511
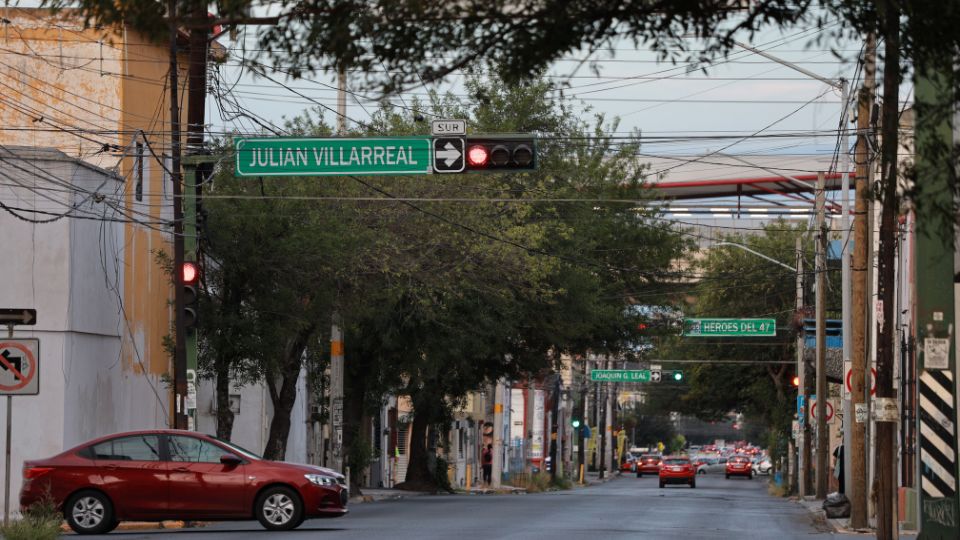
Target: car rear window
x=650 y=458
x=677 y=462
x=738 y=460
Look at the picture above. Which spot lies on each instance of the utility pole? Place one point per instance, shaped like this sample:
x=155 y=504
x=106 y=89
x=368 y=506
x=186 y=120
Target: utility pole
x=336 y=395
x=555 y=432
x=601 y=465
x=857 y=488
x=179 y=349
x=821 y=352
x=497 y=472
x=805 y=454
x=887 y=412
x=795 y=473
x=341 y=101
x=584 y=418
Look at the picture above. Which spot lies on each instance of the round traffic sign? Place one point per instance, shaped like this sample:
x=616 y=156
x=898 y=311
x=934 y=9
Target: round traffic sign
x=813 y=410
x=18 y=363
x=873 y=381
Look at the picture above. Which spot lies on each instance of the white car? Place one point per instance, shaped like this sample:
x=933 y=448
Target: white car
x=762 y=466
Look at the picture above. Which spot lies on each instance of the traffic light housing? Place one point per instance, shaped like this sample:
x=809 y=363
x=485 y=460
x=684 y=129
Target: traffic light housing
x=501 y=154
x=189 y=280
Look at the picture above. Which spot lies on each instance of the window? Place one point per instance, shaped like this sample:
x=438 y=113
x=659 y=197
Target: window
x=135 y=448
x=193 y=450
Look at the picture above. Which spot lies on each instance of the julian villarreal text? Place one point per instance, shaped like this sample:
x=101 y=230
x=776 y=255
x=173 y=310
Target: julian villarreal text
x=328 y=156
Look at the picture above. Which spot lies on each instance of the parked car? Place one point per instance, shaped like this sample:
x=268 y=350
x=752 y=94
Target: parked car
x=711 y=465
x=648 y=464
x=678 y=470
x=629 y=463
x=739 y=466
x=762 y=465
x=170 y=474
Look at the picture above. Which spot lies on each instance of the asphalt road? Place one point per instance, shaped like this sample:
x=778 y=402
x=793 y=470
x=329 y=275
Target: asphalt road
x=626 y=507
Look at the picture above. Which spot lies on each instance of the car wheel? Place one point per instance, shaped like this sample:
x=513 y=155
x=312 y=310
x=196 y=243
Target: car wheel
x=750 y=476
x=701 y=472
x=693 y=485
x=89 y=512
x=279 y=509
x=728 y=477
x=661 y=485
x=639 y=474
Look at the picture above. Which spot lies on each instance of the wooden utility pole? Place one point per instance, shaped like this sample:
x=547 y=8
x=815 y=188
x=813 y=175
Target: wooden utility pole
x=179 y=350
x=805 y=454
x=823 y=452
x=857 y=489
x=798 y=479
x=887 y=413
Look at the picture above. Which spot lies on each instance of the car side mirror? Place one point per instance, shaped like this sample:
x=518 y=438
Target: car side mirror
x=230 y=460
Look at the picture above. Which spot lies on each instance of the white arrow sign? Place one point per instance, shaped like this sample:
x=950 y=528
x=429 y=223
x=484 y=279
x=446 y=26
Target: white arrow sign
x=449 y=154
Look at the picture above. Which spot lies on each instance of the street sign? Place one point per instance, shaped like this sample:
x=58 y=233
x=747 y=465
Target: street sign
x=20 y=367
x=18 y=316
x=620 y=375
x=729 y=327
x=448 y=155
x=288 y=156
x=849 y=380
x=813 y=408
x=445 y=128
x=655 y=375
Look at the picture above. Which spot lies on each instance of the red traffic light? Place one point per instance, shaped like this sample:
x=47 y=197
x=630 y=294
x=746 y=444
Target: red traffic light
x=478 y=156
x=796 y=381
x=501 y=154
x=189 y=272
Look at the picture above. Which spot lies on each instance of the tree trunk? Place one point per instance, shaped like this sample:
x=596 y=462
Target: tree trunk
x=355 y=430
x=419 y=477
x=224 y=414
x=285 y=396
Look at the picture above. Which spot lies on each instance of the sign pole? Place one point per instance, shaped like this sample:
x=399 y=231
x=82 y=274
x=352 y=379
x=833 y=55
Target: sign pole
x=6 y=465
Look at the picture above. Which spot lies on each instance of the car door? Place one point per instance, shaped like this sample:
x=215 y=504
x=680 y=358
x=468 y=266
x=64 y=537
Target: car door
x=200 y=485
x=132 y=475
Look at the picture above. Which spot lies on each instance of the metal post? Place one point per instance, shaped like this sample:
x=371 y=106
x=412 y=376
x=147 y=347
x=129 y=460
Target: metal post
x=341 y=101
x=6 y=466
x=799 y=479
x=497 y=473
x=823 y=451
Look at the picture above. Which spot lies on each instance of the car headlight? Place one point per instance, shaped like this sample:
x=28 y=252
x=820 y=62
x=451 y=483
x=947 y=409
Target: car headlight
x=321 y=480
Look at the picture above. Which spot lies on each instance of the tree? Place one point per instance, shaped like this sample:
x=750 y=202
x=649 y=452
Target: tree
x=738 y=284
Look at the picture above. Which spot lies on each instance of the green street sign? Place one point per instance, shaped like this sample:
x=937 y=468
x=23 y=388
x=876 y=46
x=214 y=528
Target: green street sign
x=620 y=375
x=282 y=156
x=729 y=327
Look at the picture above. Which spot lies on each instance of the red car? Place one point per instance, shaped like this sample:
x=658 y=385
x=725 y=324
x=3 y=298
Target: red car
x=169 y=474
x=649 y=464
x=739 y=466
x=678 y=470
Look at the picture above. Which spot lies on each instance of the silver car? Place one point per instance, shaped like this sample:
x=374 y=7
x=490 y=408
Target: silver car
x=712 y=465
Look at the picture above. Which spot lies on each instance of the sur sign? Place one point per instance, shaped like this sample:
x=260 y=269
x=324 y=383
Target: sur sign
x=729 y=327
x=288 y=156
x=20 y=367
x=620 y=375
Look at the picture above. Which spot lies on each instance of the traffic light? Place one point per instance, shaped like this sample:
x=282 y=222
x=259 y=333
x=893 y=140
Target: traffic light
x=677 y=376
x=796 y=381
x=575 y=423
x=501 y=154
x=189 y=279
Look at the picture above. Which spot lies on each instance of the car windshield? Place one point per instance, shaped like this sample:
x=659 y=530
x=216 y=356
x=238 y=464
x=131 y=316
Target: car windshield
x=238 y=449
x=677 y=462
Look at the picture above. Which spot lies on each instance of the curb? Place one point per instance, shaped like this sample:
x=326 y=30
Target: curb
x=147 y=525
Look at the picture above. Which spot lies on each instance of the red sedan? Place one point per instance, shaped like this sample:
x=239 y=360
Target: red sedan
x=678 y=470
x=169 y=474
x=648 y=464
x=739 y=466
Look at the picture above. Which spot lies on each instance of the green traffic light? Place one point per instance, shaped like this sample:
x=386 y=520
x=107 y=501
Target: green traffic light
x=575 y=423
x=678 y=376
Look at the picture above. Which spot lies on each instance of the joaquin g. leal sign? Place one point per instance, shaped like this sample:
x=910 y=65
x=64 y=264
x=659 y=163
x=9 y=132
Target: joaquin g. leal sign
x=281 y=156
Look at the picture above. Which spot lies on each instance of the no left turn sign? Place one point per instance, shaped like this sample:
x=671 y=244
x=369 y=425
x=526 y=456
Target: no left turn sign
x=20 y=367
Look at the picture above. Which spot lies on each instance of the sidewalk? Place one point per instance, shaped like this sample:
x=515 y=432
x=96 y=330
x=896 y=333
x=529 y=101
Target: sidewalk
x=840 y=525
